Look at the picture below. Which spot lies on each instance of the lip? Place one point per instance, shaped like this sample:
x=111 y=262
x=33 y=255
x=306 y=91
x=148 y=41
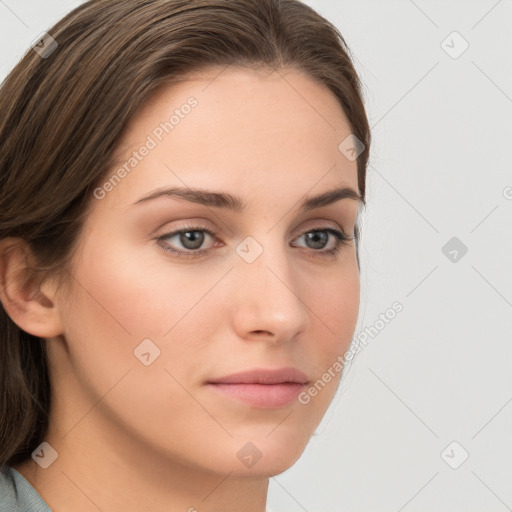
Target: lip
x=263 y=388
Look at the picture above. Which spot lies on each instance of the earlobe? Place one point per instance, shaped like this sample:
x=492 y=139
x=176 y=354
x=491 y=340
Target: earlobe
x=21 y=293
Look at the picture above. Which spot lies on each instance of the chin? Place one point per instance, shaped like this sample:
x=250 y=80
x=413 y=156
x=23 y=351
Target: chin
x=261 y=456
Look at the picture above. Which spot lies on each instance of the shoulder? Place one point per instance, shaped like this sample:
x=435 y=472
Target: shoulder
x=18 y=495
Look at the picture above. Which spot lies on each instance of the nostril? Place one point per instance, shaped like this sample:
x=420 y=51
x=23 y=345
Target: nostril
x=260 y=331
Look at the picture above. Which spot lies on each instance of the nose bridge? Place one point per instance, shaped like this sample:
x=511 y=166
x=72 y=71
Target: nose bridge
x=268 y=297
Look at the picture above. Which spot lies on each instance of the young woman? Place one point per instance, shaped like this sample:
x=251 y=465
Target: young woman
x=180 y=188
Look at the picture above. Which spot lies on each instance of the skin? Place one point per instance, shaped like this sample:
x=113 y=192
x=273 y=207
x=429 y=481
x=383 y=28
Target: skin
x=154 y=438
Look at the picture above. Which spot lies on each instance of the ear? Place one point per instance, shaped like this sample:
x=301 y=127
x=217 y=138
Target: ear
x=29 y=303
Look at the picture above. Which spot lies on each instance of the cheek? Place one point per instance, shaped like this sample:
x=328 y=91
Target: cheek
x=119 y=302
x=336 y=306
x=122 y=298
x=134 y=293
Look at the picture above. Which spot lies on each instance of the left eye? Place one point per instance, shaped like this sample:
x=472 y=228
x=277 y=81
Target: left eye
x=191 y=239
x=320 y=238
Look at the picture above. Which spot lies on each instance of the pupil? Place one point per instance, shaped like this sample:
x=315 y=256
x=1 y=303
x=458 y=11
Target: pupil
x=192 y=239
x=318 y=238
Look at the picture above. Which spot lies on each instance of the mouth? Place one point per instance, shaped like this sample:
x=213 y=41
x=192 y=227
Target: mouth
x=262 y=388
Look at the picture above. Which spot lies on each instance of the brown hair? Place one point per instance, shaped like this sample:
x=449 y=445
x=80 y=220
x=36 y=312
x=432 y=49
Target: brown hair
x=61 y=117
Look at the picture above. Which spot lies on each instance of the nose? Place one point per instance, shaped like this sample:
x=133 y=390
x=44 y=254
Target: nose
x=268 y=297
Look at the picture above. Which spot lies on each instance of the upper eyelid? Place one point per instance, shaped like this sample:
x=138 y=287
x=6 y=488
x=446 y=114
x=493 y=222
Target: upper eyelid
x=312 y=225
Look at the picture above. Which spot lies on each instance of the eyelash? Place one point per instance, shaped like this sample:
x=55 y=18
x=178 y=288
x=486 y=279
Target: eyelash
x=341 y=239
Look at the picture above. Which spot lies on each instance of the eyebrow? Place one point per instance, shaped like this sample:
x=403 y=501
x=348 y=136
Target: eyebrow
x=235 y=203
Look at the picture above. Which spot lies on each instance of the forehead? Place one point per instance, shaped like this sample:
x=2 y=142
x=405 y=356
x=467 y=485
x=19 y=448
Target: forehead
x=237 y=129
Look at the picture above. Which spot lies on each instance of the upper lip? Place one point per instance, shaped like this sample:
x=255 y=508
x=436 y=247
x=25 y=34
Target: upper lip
x=263 y=376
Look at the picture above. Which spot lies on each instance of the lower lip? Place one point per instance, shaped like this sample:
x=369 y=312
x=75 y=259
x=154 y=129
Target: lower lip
x=262 y=395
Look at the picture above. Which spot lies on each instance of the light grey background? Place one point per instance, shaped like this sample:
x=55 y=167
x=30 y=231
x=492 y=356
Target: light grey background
x=440 y=371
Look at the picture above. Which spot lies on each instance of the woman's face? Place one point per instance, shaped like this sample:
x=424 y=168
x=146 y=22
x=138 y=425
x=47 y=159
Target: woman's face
x=149 y=333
